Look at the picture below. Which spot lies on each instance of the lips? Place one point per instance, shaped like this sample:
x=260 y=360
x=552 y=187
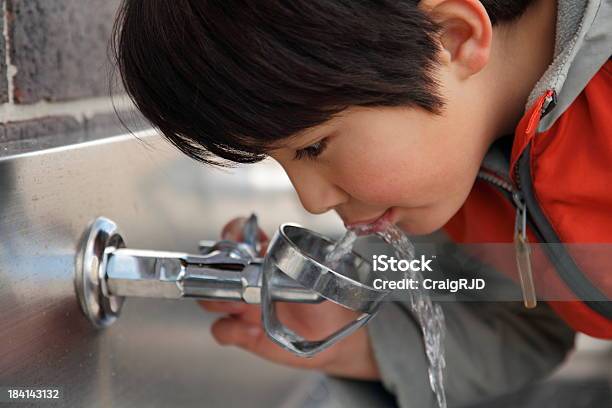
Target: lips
x=371 y=225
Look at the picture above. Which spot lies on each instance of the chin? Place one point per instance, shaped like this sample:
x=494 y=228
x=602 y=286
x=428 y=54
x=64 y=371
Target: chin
x=413 y=229
x=422 y=225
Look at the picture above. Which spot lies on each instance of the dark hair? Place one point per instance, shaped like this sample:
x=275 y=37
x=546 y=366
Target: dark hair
x=231 y=78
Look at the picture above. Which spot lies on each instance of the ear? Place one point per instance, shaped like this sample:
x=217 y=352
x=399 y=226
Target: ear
x=465 y=33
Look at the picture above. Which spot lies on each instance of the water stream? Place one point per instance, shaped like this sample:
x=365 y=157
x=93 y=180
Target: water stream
x=429 y=316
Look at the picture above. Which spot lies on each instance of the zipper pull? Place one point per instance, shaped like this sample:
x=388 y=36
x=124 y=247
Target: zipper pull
x=523 y=252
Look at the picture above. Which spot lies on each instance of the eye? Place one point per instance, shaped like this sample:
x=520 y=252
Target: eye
x=312 y=151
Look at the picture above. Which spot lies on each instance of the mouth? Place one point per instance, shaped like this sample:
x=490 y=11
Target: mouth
x=372 y=225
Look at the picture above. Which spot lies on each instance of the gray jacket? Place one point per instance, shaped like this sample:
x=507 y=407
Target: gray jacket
x=491 y=348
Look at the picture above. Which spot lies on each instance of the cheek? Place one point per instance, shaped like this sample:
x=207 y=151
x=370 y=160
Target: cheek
x=380 y=178
x=401 y=177
x=407 y=158
x=378 y=190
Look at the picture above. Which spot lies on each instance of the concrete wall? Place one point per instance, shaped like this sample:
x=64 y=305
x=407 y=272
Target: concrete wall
x=55 y=81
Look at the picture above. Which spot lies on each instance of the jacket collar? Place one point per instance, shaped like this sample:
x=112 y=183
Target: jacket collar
x=583 y=43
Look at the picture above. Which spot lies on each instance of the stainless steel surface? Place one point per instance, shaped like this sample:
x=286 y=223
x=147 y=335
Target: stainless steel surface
x=159 y=353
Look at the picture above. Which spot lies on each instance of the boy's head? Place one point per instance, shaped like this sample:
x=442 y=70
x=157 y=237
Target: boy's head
x=371 y=107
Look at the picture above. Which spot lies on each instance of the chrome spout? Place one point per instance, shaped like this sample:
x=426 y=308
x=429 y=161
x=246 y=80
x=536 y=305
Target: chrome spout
x=106 y=273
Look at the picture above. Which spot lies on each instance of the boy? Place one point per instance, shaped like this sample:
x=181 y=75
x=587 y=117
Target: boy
x=384 y=109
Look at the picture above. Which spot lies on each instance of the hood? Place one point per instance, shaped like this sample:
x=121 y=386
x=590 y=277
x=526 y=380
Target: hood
x=583 y=43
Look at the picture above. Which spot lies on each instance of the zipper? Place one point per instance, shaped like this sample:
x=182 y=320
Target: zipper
x=550 y=100
x=563 y=262
x=521 y=195
x=523 y=252
x=496 y=180
x=522 y=249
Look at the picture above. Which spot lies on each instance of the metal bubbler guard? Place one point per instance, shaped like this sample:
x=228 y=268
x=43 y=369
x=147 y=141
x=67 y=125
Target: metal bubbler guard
x=299 y=253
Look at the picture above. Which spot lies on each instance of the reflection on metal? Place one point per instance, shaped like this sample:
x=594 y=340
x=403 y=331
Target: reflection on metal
x=293 y=270
x=159 y=353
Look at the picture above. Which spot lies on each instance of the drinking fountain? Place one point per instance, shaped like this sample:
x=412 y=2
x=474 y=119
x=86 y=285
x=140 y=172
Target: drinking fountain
x=294 y=269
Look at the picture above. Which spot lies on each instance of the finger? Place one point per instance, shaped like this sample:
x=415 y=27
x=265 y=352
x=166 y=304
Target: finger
x=224 y=307
x=248 y=312
x=233 y=229
x=233 y=331
x=264 y=246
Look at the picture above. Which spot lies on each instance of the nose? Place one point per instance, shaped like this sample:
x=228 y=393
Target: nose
x=316 y=191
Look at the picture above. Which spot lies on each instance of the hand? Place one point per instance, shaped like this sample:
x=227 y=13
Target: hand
x=351 y=357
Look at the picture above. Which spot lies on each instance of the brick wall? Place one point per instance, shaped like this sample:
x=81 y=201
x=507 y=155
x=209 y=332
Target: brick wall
x=54 y=74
